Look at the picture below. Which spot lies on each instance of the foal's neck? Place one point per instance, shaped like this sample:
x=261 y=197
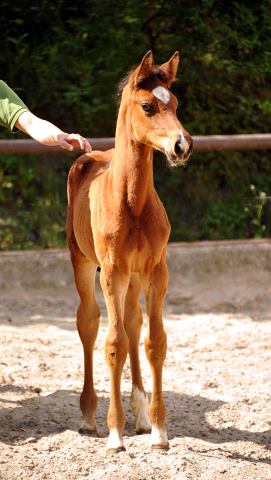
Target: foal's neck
x=132 y=169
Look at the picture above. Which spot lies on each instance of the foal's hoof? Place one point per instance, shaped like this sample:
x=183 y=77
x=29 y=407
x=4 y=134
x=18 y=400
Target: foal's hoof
x=87 y=428
x=159 y=440
x=115 y=443
x=113 y=451
x=160 y=448
x=142 y=431
x=90 y=433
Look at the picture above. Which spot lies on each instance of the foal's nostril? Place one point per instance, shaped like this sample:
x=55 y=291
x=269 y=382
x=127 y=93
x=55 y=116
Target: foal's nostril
x=178 y=148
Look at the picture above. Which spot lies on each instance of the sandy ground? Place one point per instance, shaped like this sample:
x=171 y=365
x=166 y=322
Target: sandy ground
x=217 y=388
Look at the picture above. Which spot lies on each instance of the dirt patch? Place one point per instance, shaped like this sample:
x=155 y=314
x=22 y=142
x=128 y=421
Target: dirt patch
x=217 y=387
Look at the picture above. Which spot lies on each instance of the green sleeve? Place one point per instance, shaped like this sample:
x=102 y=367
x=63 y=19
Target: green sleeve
x=11 y=106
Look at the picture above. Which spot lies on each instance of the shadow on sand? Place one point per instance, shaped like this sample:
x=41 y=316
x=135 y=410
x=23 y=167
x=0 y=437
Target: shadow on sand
x=41 y=416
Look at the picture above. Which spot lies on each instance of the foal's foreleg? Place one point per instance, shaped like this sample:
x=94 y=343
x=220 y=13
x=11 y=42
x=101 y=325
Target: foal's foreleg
x=114 y=284
x=88 y=315
x=133 y=321
x=156 y=347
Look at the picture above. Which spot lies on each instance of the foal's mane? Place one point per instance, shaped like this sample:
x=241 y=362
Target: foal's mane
x=125 y=80
x=122 y=83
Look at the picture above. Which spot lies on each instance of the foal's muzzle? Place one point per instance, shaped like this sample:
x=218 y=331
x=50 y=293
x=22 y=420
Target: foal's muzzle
x=182 y=149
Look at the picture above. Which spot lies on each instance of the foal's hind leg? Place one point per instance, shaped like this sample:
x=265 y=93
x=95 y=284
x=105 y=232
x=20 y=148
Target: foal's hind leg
x=88 y=315
x=133 y=321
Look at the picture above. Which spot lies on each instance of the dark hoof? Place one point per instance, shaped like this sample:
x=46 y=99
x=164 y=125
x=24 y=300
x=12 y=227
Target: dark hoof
x=142 y=431
x=160 y=448
x=89 y=433
x=113 y=451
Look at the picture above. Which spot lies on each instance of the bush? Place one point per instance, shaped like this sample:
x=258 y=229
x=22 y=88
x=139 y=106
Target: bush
x=33 y=204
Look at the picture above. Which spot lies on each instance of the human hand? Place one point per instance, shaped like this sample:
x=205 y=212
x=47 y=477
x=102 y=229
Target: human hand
x=72 y=140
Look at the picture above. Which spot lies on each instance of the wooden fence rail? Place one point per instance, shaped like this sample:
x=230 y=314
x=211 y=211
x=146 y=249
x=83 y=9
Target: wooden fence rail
x=255 y=141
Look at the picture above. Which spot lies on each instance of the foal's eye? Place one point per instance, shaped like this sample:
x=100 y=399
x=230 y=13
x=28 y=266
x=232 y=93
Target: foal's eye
x=146 y=107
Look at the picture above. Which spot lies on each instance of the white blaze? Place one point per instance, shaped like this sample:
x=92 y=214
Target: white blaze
x=162 y=94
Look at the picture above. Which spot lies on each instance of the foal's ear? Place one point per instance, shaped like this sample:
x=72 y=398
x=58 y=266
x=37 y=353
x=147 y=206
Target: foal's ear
x=144 y=69
x=168 y=70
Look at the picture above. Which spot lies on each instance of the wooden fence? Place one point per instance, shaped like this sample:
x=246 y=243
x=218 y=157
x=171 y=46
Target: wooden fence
x=255 y=141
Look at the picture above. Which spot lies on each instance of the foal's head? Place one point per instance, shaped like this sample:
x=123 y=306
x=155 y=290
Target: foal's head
x=151 y=109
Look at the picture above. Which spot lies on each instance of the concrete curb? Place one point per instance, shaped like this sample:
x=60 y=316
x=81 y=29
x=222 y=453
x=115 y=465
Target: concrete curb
x=202 y=261
x=221 y=275
x=187 y=262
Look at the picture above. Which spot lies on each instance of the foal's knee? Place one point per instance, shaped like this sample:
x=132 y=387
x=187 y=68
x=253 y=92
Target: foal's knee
x=116 y=349
x=88 y=321
x=156 y=347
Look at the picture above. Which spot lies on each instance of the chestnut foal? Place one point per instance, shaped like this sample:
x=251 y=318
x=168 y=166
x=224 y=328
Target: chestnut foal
x=116 y=221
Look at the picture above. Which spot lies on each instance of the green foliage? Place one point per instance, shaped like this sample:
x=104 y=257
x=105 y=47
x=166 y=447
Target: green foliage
x=65 y=58
x=33 y=203
x=255 y=210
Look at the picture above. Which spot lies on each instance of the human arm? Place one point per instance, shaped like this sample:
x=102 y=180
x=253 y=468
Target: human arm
x=48 y=134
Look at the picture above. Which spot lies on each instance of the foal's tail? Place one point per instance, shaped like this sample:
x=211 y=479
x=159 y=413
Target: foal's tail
x=76 y=173
x=75 y=177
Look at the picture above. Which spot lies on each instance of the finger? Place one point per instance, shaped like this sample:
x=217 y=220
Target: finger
x=66 y=145
x=83 y=142
x=87 y=146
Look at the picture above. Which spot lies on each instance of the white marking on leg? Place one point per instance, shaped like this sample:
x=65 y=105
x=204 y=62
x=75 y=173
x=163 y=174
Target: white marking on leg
x=140 y=406
x=159 y=437
x=162 y=94
x=115 y=441
x=149 y=157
